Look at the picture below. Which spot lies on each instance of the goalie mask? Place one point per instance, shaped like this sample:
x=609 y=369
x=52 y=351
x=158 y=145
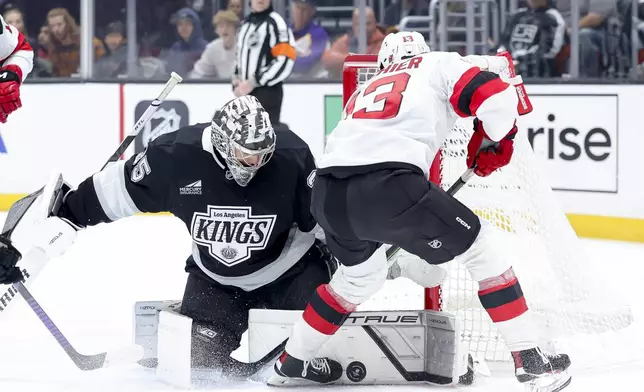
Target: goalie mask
x=399 y=46
x=243 y=134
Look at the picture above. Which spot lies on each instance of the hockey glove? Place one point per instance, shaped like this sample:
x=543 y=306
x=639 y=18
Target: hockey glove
x=10 y=80
x=9 y=257
x=52 y=231
x=485 y=155
x=326 y=256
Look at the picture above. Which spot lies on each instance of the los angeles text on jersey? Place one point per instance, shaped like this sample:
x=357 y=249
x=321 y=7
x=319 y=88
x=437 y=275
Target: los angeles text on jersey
x=231 y=233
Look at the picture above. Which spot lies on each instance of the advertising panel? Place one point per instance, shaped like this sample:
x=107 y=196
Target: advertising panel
x=72 y=128
x=169 y=117
x=576 y=135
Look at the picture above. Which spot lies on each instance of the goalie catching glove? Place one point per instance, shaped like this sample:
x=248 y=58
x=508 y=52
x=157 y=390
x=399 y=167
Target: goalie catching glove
x=485 y=155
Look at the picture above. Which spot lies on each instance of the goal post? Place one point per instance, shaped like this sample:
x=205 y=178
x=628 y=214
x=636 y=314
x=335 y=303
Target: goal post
x=562 y=287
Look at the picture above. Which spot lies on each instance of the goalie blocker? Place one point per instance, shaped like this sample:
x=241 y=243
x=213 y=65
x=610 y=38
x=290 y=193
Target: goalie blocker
x=383 y=347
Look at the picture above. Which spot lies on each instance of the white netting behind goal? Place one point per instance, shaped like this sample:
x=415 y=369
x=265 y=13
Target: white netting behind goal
x=561 y=285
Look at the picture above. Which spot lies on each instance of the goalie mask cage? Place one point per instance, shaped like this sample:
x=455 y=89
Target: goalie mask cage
x=561 y=286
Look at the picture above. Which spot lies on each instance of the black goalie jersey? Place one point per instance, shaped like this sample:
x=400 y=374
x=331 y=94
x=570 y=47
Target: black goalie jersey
x=242 y=236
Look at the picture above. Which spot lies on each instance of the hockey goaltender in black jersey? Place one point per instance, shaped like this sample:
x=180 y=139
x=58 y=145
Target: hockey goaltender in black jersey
x=243 y=191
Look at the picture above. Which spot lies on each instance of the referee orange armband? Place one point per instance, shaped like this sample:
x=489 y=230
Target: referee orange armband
x=283 y=49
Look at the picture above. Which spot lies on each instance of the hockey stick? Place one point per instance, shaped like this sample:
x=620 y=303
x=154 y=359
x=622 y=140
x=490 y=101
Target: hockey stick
x=32 y=264
x=35 y=261
x=145 y=117
x=248 y=369
x=83 y=362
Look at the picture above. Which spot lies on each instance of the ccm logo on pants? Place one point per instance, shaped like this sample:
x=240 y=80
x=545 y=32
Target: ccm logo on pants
x=462 y=222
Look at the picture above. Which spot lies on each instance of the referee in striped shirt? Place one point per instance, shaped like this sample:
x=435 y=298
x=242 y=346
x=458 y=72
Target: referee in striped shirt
x=265 y=57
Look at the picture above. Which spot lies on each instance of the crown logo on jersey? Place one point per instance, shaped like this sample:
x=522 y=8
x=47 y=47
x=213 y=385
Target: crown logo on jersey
x=231 y=234
x=229 y=253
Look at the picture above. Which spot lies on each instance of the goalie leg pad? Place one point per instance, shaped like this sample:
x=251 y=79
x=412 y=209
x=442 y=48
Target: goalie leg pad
x=383 y=347
x=146 y=327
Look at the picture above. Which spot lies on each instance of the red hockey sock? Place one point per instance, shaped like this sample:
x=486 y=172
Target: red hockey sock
x=324 y=313
x=322 y=317
x=504 y=301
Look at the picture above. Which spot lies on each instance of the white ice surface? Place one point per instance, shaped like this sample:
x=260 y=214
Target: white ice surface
x=90 y=291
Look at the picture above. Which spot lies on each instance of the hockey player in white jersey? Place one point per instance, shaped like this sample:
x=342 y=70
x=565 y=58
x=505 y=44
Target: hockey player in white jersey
x=16 y=62
x=371 y=189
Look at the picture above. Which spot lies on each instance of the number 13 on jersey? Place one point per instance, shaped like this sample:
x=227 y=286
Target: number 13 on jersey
x=380 y=100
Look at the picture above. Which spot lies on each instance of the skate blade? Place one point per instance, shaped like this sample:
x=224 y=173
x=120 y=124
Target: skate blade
x=549 y=383
x=291 y=382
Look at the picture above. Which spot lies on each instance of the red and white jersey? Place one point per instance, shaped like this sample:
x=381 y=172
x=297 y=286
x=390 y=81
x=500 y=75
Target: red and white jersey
x=14 y=49
x=404 y=113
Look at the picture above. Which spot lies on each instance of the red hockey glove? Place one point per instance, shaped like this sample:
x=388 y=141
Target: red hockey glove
x=10 y=80
x=487 y=155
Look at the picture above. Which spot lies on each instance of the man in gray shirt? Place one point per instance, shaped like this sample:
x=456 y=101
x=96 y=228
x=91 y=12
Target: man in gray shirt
x=592 y=35
x=218 y=59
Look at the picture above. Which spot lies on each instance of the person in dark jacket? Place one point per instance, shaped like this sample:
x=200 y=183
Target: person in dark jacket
x=535 y=36
x=399 y=9
x=114 y=64
x=185 y=52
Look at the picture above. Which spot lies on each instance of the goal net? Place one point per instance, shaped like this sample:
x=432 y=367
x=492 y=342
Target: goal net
x=561 y=286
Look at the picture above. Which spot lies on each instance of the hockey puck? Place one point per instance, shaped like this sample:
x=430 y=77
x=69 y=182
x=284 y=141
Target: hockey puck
x=356 y=371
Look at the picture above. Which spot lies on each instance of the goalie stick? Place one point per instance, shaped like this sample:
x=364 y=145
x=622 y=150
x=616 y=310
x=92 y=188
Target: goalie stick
x=83 y=362
x=34 y=261
x=145 y=117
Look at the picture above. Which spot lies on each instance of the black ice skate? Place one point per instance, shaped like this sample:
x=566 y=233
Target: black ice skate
x=291 y=371
x=542 y=372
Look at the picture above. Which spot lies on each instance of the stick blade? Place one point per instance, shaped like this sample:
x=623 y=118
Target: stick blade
x=123 y=356
x=127 y=355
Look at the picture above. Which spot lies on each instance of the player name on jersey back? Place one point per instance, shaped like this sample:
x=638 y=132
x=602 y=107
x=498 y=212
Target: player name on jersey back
x=398 y=116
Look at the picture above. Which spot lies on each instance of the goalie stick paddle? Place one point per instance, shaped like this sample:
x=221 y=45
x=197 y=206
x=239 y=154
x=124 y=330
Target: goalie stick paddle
x=456 y=186
x=17 y=212
x=145 y=117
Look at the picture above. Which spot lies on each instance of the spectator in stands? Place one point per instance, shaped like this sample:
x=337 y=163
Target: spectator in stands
x=592 y=32
x=311 y=40
x=188 y=48
x=43 y=42
x=535 y=36
x=218 y=60
x=237 y=7
x=348 y=43
x=399 y=9
x=14 y=17
x=114 y=64
x=63 y=43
